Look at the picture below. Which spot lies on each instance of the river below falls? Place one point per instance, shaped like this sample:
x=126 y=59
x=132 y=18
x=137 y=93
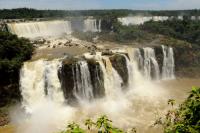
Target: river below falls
x=144 y=104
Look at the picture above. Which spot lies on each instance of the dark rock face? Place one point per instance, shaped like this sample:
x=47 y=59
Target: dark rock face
x=65 y=75
x=96 y=78
x=119 y=63
x=159 y=56
x=9 y=94
x=141 y=63
x=66 y=78
x=187 y=61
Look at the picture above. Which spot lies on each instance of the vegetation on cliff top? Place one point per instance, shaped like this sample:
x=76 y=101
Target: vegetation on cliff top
x=188 y=30
x=13 y=51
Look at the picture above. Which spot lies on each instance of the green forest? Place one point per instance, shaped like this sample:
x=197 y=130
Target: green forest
x=33 y=13
x=13 y=52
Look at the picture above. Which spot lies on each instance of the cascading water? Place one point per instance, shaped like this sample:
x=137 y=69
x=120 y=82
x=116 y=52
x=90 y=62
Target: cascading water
x=137 y=20
x=134 y=20
x=82 y=81
x=112 y=79
x=168 y=63
x=151 y=67
x=56 y=92
x=138 y=57
x=38 y=81
x=40 y=29
x=73 y=79
x=92 y=25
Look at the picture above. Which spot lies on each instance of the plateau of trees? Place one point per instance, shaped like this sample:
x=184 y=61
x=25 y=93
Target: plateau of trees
x=28 y=13
x=188 y=30
x=13 y=52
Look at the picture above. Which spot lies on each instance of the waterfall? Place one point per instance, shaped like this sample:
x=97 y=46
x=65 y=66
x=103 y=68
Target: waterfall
x=134 y=20
x=112 y=80
x=130 y=68
x=82 y=81
x=168 y=63
x=92 y=26
x=151 y=67
x=38 y=81
x=53 y=86
x=145 y=62
x=40 y=29
x=99 y=27
x=94 y=77
x=138 y=57
x=136 y=63
x=137 y=20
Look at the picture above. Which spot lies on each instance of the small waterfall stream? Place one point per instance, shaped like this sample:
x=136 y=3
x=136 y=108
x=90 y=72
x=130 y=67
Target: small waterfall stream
x=168 y=63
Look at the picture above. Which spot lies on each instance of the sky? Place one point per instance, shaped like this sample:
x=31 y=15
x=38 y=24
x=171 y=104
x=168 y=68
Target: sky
x=102 y=4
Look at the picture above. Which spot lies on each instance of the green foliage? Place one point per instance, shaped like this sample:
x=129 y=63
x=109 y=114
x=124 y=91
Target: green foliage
x=185 y=119
x=13 y=51
x=73 y=128
x=188 y=30
x=32 y=13
x=126 y=34
x=102 y=125
x=89 y=123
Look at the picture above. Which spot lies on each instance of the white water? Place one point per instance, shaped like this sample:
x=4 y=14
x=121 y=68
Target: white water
x=168 y=63
x=38 y=77
x=82 y=81
x=112 y=79
x=150 y=64
x=92 y=25
x=40 y=29
x=137 y=20
x=48 y=113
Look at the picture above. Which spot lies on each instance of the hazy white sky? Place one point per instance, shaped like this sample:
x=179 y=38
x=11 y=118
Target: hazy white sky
x=102 y=4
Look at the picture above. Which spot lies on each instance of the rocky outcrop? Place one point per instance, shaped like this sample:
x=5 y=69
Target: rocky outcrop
x=187 y=61
x=65 y=75
x=119 y=63
x=159 y=56
x=9 y=94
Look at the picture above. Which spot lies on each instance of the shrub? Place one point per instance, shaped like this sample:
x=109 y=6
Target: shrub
x=186 y=118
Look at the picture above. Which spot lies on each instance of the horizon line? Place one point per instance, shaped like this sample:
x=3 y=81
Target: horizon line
x=103 y=9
